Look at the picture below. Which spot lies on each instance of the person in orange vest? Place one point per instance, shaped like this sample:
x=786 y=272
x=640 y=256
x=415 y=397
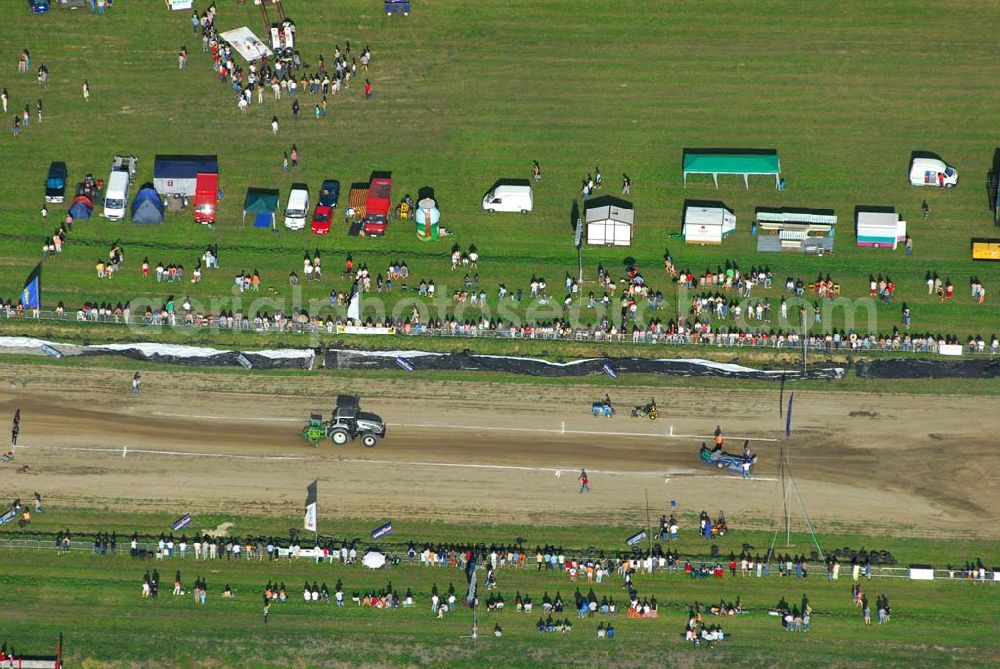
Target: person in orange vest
x=718 y=436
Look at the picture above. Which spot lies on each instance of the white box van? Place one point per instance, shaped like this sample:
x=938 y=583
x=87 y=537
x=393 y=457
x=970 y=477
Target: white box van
x=116 y=195
x=297 y=208
x=932 y=172
x=509 y=197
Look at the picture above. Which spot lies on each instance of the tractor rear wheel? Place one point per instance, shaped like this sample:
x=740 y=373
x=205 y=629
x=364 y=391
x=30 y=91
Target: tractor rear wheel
x=369 y=440
x=340 y=436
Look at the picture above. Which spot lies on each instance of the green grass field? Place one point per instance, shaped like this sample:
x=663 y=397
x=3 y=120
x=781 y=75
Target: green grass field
x=465 y=95
x=90 y=598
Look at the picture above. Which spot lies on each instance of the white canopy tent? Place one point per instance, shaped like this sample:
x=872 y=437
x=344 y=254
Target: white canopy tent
x=610 y=224
x=707 y=224
x=246 y=44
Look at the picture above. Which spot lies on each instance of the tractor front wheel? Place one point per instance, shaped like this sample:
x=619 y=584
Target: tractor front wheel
x=369 y=440
x=340 y=437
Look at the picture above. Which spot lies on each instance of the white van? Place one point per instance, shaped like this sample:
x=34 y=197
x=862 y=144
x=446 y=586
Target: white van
x=509 y=197
x=116 y=195
x=297 y=208
x=932 y=172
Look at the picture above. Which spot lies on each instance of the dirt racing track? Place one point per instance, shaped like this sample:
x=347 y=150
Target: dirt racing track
x=202 y=441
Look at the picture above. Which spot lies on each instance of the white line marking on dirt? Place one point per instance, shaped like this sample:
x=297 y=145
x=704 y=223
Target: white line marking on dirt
x=193 y=454
x=250 y=418
x=556 y=471
x=484 y=428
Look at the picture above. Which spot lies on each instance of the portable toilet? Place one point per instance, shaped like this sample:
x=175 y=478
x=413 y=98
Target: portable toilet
x=428 y=216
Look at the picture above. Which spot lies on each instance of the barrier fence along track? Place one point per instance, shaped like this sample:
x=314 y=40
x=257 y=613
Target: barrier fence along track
x=150 y=550
x=750 y=339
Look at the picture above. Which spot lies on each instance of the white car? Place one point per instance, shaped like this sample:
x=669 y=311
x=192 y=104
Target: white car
x=297 y=208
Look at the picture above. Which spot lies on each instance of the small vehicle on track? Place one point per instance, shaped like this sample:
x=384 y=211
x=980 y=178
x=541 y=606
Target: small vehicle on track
x=647 y=410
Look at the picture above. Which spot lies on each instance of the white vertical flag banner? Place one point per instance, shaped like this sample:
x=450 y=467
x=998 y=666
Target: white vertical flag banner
x=354 y=306
x=310 y=520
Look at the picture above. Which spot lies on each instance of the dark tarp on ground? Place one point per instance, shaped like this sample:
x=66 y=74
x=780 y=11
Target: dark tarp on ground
x=345 y=359
x=922 y=368
x=222 y=359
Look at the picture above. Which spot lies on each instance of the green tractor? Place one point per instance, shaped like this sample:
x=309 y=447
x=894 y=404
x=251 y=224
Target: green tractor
x=315 y=431
x=347 y=423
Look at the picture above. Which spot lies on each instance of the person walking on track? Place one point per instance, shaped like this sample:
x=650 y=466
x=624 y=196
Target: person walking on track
x=136 y=380
x=584 y=481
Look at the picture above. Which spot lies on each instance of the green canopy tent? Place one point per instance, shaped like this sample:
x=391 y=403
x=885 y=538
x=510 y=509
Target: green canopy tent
x=261 y=204
x=744 y=162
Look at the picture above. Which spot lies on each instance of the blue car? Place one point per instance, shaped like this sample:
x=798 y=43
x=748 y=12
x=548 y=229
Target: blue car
x=39 y=6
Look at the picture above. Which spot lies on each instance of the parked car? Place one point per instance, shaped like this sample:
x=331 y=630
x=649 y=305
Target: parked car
x=55 y=183
x=297 y=208
x=329 y=193
x=39 y=6
x=321 y=219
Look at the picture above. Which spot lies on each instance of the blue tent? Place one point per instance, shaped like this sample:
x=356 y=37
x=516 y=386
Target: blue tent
x=147 y=206
x=82 y=208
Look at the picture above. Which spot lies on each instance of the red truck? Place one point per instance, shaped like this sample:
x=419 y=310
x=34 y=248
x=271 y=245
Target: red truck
x=378 y=204
x=206 y=197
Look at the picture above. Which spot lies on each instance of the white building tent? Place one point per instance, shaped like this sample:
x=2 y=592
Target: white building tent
x=610 y=224
x=246 y=44
x=707 y=224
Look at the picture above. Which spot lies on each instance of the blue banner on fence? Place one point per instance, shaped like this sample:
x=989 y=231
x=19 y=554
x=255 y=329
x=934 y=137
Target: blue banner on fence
x=51 y=351
x=7 y=517
x=182 y=522
x=383 y=531
x=609 y=370
x=636 y=538
x=404 y=363
x=245 y=361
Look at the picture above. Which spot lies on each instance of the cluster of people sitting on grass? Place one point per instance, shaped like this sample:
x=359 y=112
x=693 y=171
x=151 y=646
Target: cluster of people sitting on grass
x=275 y=592
x=465 y=259
x=397 y=271
x=550 y=625
x=697 y=632
x=724 y=608
x=315 y=593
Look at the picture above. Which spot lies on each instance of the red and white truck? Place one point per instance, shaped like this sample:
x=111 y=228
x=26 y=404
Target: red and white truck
x=206 y=197
x=378 y=204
